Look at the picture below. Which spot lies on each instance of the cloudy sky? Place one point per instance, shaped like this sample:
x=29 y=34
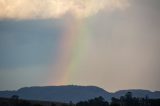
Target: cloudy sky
x=113 y=44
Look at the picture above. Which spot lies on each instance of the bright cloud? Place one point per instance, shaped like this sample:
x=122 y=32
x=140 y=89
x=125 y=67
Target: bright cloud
x=31 y=9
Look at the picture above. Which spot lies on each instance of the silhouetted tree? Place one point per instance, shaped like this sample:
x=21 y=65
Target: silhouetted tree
x=14 y=100
x=115 y=102
x=85 y=103
x=37 y=105
x=53 y=104
x=65 y=104
x=128 y=97
x=24 y=103
x=70 y=103
x=99 y=101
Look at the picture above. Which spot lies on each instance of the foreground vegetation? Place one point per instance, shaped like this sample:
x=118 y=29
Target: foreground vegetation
x=127 y=100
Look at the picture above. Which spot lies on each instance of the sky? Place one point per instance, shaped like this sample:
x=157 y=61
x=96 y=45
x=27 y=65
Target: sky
x=113 y=44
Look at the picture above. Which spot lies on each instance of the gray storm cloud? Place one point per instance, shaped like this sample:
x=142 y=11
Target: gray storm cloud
x=32 y=9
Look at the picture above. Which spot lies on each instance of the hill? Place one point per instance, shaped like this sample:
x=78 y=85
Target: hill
x=71 y=93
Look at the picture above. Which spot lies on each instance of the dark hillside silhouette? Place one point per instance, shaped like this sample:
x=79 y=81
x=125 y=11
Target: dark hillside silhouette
x=73 y=93
x=126 y=100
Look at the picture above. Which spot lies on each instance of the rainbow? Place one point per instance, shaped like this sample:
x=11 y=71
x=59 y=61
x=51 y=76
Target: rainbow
x=73 y=47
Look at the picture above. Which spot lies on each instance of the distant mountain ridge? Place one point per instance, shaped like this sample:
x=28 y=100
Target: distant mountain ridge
x=72 y=93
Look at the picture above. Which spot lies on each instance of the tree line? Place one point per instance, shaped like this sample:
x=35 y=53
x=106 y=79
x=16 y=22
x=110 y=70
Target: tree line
x=126 y=100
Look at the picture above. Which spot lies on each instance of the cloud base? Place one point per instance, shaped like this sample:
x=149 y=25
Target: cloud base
x=42 y=9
